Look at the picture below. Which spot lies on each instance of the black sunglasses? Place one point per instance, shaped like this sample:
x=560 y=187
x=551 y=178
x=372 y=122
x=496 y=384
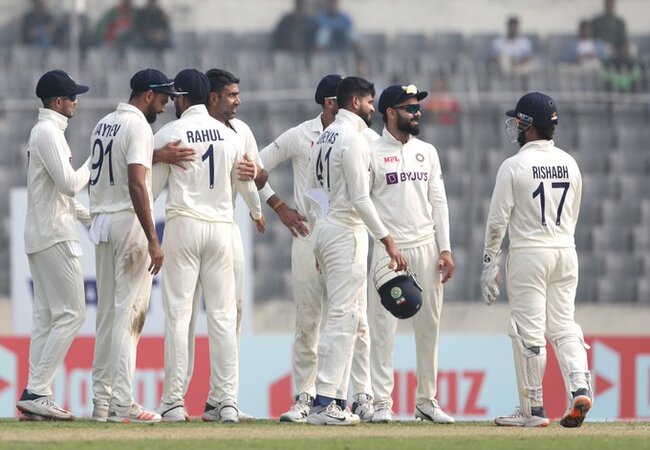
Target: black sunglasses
x=72 y=97
x=411 y=109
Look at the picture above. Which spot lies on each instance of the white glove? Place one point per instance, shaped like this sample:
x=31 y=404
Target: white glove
x=490 y=278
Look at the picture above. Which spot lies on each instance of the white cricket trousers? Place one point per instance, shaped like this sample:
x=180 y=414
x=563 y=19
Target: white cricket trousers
x=308 y=290
x=239 y=269
x=58 y=311
x=541 y=285
x=342 y=255
x=426 y=326
x=199 y=253
x=123 y=288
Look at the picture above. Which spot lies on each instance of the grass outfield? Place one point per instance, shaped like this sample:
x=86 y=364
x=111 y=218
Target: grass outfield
x=272 y=435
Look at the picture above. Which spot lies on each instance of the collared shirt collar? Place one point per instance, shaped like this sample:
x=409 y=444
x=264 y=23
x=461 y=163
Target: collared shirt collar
x=388 y=137
x=316 y=124
x=352 y=118
x=195 y=110
x=539 y=144
x=129 y=107
x=59 y=119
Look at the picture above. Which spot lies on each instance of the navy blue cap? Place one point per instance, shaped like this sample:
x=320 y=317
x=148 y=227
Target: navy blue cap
x=192 y=83
x=396 y=94
x=327 y=87
x=537 y=109
x=154 y=80
x=57 y=83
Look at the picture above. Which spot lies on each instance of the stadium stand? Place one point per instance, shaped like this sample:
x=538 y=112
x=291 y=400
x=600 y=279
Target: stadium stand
x=606 y=132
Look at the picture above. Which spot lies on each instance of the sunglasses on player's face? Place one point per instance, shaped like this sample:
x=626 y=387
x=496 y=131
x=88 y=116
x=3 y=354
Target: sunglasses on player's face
x=72 y=97
x=411 y=109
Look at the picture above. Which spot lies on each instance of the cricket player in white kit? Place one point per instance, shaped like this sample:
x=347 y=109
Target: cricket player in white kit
x=128 y=253
x=537 y=199
x=409 y=194
x=222 y=103
x=52 y=244
x=296 y=144
x=338 y=186
x=198 y=248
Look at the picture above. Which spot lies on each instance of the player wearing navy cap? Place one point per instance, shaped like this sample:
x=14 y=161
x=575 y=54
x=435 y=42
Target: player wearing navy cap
x=198 y=248
x=536 y=199
x=127 y=252
x=409 y=193
x=52 y=243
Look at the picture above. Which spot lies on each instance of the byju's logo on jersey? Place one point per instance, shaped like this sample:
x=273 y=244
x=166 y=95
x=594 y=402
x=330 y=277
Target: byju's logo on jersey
x=397 y=177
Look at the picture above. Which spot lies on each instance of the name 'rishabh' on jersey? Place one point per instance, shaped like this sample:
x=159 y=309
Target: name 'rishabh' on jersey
x=120 y=138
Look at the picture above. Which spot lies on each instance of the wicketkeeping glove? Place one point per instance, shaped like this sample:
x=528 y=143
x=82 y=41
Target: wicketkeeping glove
x=490 y=278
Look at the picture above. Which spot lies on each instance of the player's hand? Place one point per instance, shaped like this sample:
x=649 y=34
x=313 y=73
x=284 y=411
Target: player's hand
x=490 y=278
x=174 y=153
x=397 y=260
x=260 y=224
x=156 y=255
x=445 y=266
x=293 y=221
x=246 y=169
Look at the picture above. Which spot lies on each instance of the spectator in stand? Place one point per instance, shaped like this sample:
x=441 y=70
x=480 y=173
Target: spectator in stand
x=38 y=26
x=115 y=28
x=334 y=29
x=624 y=73
x=152 y=27
x=296 y=30
x=513 y=53
x=588 y=53
x=610 y=29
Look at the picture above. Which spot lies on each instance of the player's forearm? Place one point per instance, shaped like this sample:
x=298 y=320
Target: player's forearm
x=140 y=199
x=251 y=198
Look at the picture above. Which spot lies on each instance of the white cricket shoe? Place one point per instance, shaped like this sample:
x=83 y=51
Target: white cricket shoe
x=243 y=417
x=224 y=412
x=432 y=412
x=299 y=410
x=41 y=405
x=100 y=410
x=580 y=406
x=519 y=419
x=383 y=413
x=333 y=414
x=133 y=413
x=363 y=407
x=173 y=412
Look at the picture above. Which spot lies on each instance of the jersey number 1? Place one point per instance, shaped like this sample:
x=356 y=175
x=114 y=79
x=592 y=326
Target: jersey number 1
x=539 y=192
x=209 y=155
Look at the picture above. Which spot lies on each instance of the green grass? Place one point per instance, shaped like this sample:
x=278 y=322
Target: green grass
x=269 y=435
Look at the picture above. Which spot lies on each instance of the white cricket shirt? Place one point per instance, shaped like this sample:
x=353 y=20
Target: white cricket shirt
x=536 y=197
x=339 y=166
x=295 y=144
x=248 y=141
x=120 y=138
x=408 y=191
x=203 y=189
x=51 y=184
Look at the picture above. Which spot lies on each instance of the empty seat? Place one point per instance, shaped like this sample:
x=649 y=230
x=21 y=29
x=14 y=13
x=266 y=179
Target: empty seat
x=617 y=288
x=641 y=238
x=625 y=212
x=595 y=132
x=612 y=238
